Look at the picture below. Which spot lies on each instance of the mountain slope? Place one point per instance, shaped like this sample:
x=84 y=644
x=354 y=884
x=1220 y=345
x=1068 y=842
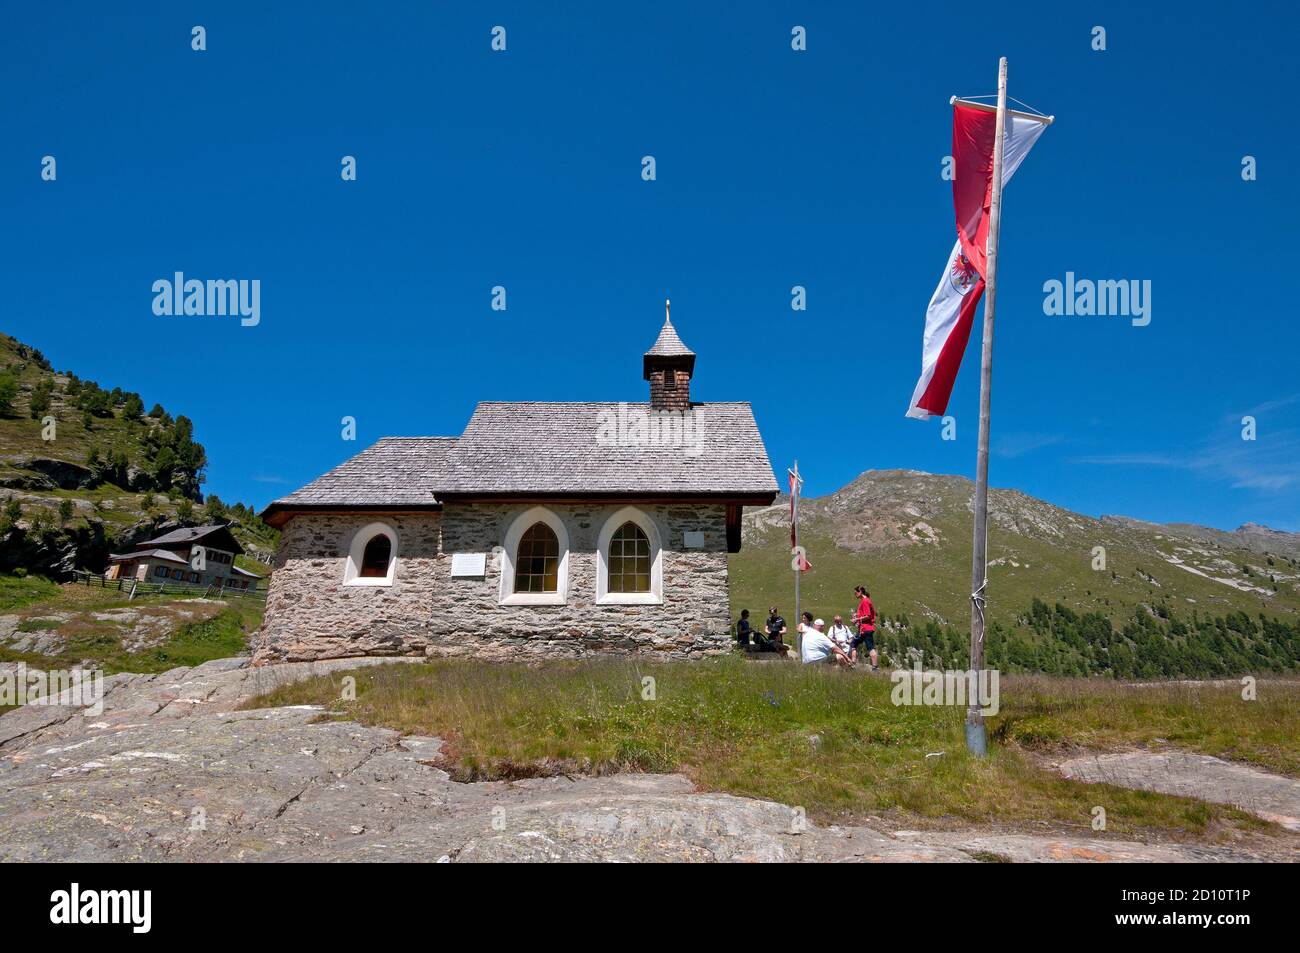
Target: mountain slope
x=906 y=536
x=85 y=471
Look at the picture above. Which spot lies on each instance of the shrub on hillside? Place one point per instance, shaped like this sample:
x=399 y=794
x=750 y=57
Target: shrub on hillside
x=39 y=403
x=8 y=391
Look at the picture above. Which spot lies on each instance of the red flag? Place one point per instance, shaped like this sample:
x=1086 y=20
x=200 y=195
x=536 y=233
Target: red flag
x=973 y=132
x=951 y=313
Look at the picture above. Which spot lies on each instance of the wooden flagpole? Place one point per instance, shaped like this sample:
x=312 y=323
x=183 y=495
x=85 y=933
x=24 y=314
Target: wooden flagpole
x=976 y=739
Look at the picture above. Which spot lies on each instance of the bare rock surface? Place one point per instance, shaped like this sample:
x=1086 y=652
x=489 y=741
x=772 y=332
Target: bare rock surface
x=172 y=770
x=1022 y=848
x=1201 y=776
x=135 y=628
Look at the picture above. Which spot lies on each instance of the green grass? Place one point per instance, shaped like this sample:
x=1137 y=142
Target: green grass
x=38 y=625
x=261 y=569
x=86 y=639
x=46 y=598
x=223 y=636
x=1058 y=713
x=745 y=728
x=19 y=591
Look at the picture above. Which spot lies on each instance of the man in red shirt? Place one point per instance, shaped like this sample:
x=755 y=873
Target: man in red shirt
x=865 y=617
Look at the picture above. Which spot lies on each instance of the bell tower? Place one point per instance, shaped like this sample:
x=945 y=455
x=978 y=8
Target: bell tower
x=668 y=366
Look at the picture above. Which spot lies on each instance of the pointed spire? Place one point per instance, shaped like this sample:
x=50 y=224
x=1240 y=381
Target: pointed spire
x=668 y=344
x=668 y=351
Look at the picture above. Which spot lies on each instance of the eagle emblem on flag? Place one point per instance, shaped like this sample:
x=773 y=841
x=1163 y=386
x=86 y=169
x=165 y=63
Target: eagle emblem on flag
x=962 y=275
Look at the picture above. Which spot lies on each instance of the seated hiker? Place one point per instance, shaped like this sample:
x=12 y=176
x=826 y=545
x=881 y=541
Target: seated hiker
x=805 y=623
x=817 y=646
x=743 y=630
x=774 y=639
x=842 y=636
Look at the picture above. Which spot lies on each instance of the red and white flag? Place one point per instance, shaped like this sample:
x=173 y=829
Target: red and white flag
x=951 y=314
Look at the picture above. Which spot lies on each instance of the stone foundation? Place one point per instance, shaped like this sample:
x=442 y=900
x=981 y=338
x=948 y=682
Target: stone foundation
x=311 y=614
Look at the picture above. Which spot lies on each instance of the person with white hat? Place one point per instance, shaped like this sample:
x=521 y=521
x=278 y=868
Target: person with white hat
x=819 y=647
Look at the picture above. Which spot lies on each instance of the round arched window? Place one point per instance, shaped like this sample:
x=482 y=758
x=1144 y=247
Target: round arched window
x=374 y=561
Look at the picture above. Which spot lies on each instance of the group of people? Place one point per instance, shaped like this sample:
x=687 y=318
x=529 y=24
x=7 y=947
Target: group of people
x=840 y=646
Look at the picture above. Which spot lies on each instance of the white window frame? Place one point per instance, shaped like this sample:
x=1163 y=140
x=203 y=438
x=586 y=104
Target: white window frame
x=510 y=552
x=655 y=597
x=356 y=551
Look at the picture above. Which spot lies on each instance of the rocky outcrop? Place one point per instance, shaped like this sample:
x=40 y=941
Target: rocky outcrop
x=173 y=770
x=47 y=473
x=55 y=555
x=64 y=474
x=1201 y=776
x=137 y=628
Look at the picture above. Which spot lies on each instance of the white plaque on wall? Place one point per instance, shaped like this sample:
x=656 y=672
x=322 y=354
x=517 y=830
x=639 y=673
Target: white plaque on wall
x=693 y=539
x=468 y=565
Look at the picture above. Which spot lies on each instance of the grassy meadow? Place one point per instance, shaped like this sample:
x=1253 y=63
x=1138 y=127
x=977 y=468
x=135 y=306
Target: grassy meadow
x=198 y=631
x=832 y=742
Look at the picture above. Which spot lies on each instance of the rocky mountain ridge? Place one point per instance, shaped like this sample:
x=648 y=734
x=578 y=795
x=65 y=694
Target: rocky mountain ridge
x=908 y=534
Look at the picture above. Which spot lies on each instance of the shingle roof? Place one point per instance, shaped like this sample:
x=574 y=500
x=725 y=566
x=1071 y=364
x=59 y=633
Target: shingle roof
x=191 y=534
x=560 y=448
x=186 y=534
x=396 y=471
x=595 y=448
x=668 y=344
x=147 y=554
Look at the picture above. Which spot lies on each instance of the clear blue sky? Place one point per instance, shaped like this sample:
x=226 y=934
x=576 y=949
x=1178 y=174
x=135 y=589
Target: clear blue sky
x=775 y=168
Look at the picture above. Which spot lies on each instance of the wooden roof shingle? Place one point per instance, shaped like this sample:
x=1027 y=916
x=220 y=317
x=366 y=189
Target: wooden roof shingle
x=396 y=471
x=597 y=448
x=541 y=448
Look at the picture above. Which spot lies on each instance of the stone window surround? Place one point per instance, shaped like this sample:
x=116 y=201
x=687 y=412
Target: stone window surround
x=510 y=552
x=655 y=597
x=356 y=550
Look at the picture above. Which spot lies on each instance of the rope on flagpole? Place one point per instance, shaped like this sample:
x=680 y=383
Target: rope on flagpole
x=1019 y=102
x=990 y=107
x=977 y=597
x=979 y=602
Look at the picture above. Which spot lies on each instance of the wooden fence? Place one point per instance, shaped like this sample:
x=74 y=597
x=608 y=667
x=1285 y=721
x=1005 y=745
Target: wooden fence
x=134 y=587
